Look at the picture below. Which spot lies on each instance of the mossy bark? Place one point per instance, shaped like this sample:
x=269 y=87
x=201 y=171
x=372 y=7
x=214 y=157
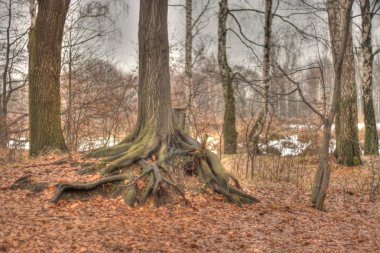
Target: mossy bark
x=45 y=43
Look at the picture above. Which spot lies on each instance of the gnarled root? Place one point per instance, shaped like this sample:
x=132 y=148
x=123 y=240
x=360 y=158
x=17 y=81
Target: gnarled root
x=137 y=152
x=214 y=174
x=84 y=186
x=157 y=174
x=158 y=181
x=155 y=181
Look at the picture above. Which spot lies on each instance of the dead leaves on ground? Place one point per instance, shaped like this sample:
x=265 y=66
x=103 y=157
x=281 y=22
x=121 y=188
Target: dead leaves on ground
x=283 y=222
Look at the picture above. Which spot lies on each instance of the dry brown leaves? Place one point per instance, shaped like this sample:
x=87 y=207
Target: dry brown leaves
x=283 y=222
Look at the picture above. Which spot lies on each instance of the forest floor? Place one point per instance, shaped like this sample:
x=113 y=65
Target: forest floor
x=284 y=221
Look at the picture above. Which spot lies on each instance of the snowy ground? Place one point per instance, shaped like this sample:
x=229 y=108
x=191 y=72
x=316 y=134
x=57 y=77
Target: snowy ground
x=288 y=146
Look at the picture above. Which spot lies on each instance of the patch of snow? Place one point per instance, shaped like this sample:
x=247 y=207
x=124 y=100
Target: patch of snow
x=332 y=146
x=21 y=143
x=360 y=126
x=295 y=127
x=212 y=143
x=289 y=146
x=89 y=143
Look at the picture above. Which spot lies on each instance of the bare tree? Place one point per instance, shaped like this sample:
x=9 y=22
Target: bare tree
x=347 y=140
x=371 y=141
x=258 y=126
x=339 y=23
x=99 y=118
x=13 y=59
x=193 y=29
x=189 y=51
x=229 y=123
x=87 y=25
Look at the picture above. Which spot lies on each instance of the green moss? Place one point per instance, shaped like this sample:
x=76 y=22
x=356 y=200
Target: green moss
x=130 y=196
x=206 y=171
x=356 y=161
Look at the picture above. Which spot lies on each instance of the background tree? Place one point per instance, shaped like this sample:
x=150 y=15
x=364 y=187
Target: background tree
x=88 y=24
x=347 y=140
x=12 y=60
x=371 y=140
x=339 y=23
x=45 y=42
x=98 y=118
x=189 y=52
x=193 y=27
x=229 y=123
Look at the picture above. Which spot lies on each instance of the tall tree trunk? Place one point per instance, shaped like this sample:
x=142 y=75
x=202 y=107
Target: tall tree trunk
x=346 y=121
x=258 y=127
x=69 y=117
x=154 y=97
x=371 y=141
x=339 y=22
x=229 y=127
x=188 y=60
x=45 y=43
x=267 y=52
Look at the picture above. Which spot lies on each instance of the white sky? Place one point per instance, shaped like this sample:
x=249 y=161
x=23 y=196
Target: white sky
x=127 y=48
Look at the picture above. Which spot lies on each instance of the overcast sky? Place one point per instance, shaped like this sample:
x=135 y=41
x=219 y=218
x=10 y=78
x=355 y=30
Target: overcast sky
x=127 y=48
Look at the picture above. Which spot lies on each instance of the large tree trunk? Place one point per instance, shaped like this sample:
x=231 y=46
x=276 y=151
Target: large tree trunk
x=155 y=138
x=154 y=98
x=229 y=127
x=346 y=121
x=45 y=43
x=371 y=141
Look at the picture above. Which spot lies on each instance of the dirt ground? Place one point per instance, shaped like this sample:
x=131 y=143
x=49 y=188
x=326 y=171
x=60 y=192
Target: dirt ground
x=284 y=221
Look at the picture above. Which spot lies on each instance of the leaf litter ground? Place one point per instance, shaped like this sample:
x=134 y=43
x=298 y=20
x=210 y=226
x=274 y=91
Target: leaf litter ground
x=284 y=221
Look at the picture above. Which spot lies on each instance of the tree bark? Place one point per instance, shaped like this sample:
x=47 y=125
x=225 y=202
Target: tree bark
x=371 y=141
x=229 y=127
x=154 y=97
x=322 y=176
x=346 y=121
x=45 y=43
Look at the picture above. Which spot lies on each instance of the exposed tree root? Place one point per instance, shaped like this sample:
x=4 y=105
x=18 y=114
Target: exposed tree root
x=61 y=188
x=236 y=181
x=157 y=175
